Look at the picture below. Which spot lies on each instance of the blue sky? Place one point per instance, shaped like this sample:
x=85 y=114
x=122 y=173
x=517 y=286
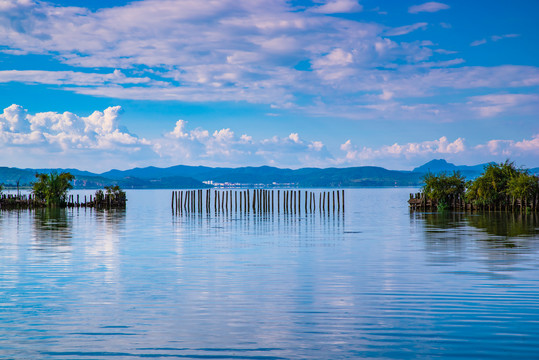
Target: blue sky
x=283 y=83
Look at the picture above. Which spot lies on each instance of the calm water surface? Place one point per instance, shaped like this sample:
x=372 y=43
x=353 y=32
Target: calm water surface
x=378 y=281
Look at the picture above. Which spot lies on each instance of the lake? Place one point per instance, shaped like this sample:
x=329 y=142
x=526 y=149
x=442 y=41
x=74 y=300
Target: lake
x=376 y=281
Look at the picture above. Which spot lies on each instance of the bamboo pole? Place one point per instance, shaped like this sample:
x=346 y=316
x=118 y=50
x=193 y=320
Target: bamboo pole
x=343 y=200
x=333 y=193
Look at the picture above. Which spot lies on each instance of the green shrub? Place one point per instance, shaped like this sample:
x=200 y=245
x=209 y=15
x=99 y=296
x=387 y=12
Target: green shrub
x=523 y=186
x=443 y=188
x=52 y=188
x=493 y=186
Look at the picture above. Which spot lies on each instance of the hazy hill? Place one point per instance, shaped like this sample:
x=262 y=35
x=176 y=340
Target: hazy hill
x=306 y=177
x=182 y=176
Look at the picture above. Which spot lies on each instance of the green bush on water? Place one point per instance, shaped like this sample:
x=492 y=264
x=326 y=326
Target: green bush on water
x=443 y=188
x=52 y=188
x=497 y=185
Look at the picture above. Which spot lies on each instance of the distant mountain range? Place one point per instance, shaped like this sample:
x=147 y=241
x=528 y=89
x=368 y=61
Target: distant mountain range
x=182 y=176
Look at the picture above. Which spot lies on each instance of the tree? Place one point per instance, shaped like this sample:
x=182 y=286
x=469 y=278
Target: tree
x=492 y=187
x=112 y=193
x=115 y=192
x=52 y=188
x=523 y=186
x=443 y=188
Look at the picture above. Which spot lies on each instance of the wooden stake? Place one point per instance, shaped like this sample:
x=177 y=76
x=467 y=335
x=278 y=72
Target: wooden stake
x=328 y=201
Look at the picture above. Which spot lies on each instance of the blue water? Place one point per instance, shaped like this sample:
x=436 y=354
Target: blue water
x=376 y=281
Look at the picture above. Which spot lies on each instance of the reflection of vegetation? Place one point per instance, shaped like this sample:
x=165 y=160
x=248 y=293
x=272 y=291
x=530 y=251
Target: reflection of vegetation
x=51 y=218
x=494 y=223
x=506 y=224
x=53 y=228
x=52 y=188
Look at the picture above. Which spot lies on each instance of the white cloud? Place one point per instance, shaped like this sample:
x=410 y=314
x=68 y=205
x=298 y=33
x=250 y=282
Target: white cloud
x=495 y=104
x=238 y=51
x=225 y=148
x=403 y=30
x=478 y=42
x=337 y=57
x=71 y=78
x=531 y=145
x=503 y=148
x=54 y=133
x=431 y=6
x=501 y=37
x=97 y=142
x=368 y=155
x=339 y=6
x=493 y=38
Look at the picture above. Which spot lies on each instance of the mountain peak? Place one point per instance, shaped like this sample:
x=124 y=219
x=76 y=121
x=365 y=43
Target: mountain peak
x=435 y=166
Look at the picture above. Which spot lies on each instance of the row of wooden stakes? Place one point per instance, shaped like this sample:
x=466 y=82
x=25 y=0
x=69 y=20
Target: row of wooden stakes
x=256 y=201
x=29 y=201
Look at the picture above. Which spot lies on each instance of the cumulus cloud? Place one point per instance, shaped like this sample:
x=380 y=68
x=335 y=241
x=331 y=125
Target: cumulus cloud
x=524 y=151
x=511 y=148
x=409 y=150
x=224 y=147
x=66 y=133
x=431 y=6
x=98 y=142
